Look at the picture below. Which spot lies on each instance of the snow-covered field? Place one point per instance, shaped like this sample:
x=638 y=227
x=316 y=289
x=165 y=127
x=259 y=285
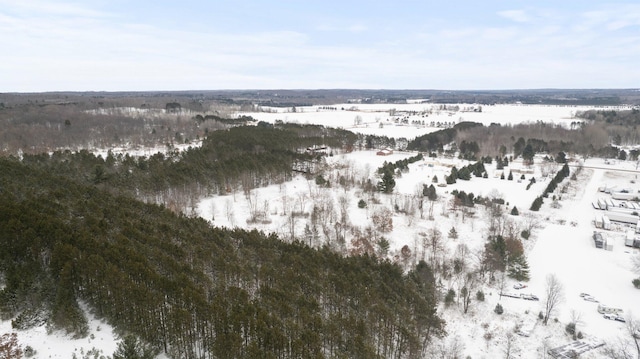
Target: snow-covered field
x=386 y=119
x=561 y=244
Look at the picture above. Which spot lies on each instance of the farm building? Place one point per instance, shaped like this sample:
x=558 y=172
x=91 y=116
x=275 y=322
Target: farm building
x=385 y=152
x=625 y=196
x=616 y=216
x=606 y=223
x=598 y=220
x=630 y=240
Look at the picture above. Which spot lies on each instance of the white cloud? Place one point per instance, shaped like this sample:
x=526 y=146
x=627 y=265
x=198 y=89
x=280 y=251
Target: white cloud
x=515 y=15
x=36 y=8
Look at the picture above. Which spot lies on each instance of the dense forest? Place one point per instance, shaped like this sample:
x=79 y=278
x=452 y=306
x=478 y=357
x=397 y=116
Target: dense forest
x=191 y=290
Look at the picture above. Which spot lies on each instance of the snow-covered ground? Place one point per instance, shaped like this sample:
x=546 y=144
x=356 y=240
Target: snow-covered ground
x=101 y=341
x=386 y=119
x=561 y=245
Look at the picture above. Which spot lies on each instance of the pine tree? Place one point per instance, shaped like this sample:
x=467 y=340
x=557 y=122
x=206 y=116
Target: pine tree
x=449 y=298
x=519 y=268
x=131 y=348
x=537 y=203
x=514 y=211
x=387 y=184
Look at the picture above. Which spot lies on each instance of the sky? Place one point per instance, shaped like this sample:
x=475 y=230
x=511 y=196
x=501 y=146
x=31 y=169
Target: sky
x=118 y=45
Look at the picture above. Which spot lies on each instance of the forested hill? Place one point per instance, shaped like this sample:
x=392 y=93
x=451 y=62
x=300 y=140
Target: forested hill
x=191 y=290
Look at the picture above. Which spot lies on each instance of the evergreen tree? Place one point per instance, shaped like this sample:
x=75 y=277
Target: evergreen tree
x=537 y=203
x=429 y=192
x=450 y=297
x=464 y=173
x=514 y=211
x=519 y=268
x=131 y=348
x=387 y=184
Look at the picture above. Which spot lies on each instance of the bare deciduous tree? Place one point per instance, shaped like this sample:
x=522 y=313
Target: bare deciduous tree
x=627 y=347
x=509 y=346
x=9 y=347
x=468 y=286
x=636 y=264
x=554 y=295
x=383 y=220
x=531 y=222
x=434 y=240
x=576 y=319
x=451 y=349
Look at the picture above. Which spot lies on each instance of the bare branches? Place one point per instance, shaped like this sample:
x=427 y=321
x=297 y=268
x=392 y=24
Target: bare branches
x=554 y=295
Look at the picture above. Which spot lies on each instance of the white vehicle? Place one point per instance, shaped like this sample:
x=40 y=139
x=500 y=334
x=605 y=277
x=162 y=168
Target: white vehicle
x=604 y=309
x=519 y=285
x=529 y=297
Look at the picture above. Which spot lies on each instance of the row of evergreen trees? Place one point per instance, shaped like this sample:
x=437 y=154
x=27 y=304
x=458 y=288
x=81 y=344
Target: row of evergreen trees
x=553 y=184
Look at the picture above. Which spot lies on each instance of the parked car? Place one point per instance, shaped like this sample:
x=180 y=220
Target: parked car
x=529 y=297
x=519 y=286
x=619 y=319
x=609 y=316
x=589 y=298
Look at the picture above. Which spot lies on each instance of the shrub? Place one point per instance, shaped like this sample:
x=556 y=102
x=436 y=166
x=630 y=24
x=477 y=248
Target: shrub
x=29 y=351
x=525 y=234
x=453 y=234
x=362 y=203
x=480 y=296
x=498 y=309
x=540 y=316
x=570 y=329
x=448 y=299
x=636 y=283
x=320 y=181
